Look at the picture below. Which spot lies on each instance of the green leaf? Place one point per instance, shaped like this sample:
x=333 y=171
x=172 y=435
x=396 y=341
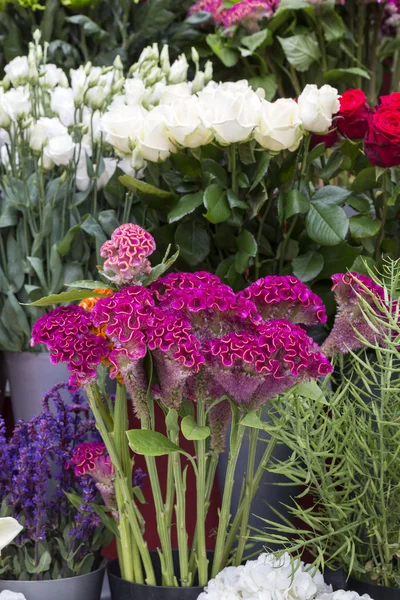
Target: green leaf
x=188 y=165
x=15 y=271
x=135 y=185
x=361 y=263
x=316 y=152
x=186 y=205
x=192 y=431
x=88 y=26
x=158 y=270
x=339 y=260
x=37 y=265
x=364 y=226
x=235 y=202
x=86 y=284
x=246 y=243
x=217 y=205
x=309 y=389
x=253 y=41
x=228 y=56
x=70 y=296
x=266 y=82
x=308 y=266
x=293 y=4
x=336 y=74
x=193 y=240
x=65 y=245
x=56 y=270
x=332 y=25
x=43 y=565
x=150 y=443
x=262 y=170
x=327 y=224
x=213 y=170
x=300 y=50
x=331 y=194
x=365 y=180
x=296 y=203
x=171 y=420
x=252 y=420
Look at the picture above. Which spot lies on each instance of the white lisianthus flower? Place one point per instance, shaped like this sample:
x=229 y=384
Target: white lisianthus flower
x=178 y=70
x=110 y=164
x=93 y=122
x=232 y=109
x=121 y=125
x=317 y=107
x=9 y=595
x=185 y=124
x=50 y=76
x=43 y=130
x=4 y=137
x=60 y=149
x=62 y=104
x=16 y=103
x=342 y=595
x=5 y=120
x=9 y=529
x=280 y=126
x=17 y=70
x=135 y=91
x=154 y=94
x=78 y=83
x=178 y=91
x=153 y=140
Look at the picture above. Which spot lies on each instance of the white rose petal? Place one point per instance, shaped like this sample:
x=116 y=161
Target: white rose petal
x=62 y=103
x=60 y=149
x=9 y=529
x=17 y=70
x=185 y=125
x=153 y=140
x=16 y=103
x=317 y=107
x=280 y=126
x=172 y=93
x=121 y=125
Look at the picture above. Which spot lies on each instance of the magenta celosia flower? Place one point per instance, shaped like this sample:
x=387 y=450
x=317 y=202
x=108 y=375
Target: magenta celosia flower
x=349 y=318
x=248 y=13
x=285 y=297
x=126 y=254
x=211 y=6
x=67 y=333
x=252 y=368
x=176 y=352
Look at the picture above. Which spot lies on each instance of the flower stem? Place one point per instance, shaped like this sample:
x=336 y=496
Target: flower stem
x=360 y=37
x=236 y=438
x=248 y=496
x=384 y=212
x=233 y=168
x=202 y=560
x=121 y=482
x=180 y=511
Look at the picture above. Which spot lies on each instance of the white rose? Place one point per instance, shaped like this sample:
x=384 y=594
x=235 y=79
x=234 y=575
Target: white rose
x=5 y=120
x=280 y=125
x=121 y=125
x=50 y=76
x=110 y=164
x=178 y=70
x=9 y=529
x=8 y=595
x=62 y=103
x=16 y=103
x=17 y=70
x=153 y=141
x=60 y=149
x=172 y=93
x=185 y=125
x=232 y=109
x=43 y=130
x=78 y=83
x=317 y=107
x=134 y=91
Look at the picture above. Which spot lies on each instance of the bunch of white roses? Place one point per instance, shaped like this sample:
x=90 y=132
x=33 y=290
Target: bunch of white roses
x=271 y=578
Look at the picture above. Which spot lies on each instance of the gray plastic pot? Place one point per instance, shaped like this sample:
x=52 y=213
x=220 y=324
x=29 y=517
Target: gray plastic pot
x=83 y=587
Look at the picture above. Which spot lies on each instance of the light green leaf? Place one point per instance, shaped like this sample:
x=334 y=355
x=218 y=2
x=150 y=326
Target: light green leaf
x=70 y=296
x=296 y=203
x=65 y=245
x=217 y=205
x=309 y=389
x=171 y=420
x=266 y=82
x=150 y=443
x=331 y=194
x=300 y=50
x=86 y=284
x=332 y=25
x=192 y=431
x=252 y=420
x=253 y=41
x=364 y=226
x=228 y=56
x=135 y=185
x=336 y=74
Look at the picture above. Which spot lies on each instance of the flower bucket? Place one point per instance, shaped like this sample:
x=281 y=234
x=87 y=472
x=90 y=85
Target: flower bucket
x=377 y=592
x=82 y=587
x=125 y=590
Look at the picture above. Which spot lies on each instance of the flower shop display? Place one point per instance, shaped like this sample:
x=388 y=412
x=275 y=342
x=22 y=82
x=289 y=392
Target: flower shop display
x=347 y=458
x=273 y=578
x=57 y=551
x=210 y=358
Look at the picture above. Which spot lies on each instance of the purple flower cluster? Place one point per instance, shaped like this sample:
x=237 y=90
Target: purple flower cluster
x=247 y=13
x=33 y=473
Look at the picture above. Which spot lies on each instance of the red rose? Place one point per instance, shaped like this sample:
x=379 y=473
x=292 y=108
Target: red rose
x=352 y=119
x=382 y=142
x=391 y=101
x=329 y=139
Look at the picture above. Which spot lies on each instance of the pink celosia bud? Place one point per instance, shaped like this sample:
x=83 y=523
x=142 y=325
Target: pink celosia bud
x=126 y=254
x=349 y=318
x=67 y=333
x=285 y=297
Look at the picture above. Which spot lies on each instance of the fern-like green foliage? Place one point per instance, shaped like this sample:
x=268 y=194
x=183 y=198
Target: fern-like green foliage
x=345 y=453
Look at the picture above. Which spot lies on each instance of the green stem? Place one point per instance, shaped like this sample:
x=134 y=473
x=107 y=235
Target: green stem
x=169 y=497
x=384 y=213
x=248 y=496
x=121 y=482
x=321 y=40
x=260 y=230
x=236 y=438
x=256 y=483
x=202 y=560
x=360 y=37
x=180 y=511
x=233 y=168
x=396 y=68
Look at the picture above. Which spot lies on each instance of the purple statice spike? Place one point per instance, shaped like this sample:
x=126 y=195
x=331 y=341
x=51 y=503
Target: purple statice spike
x=138 y=478
x=126 y=254
x=285 y=297
x=252 y=368
x=67 y=333
x=349 y=318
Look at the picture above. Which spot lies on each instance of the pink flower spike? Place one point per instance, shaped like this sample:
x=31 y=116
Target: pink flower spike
x=126 y=254
x=285 y=297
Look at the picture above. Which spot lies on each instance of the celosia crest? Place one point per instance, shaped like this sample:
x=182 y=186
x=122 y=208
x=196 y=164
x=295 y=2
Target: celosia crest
x=285 y=297
x=91 y=458
x=126 y=254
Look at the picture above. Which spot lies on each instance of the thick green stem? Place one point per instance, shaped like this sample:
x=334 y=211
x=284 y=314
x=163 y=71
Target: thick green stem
x=248 y=495
x=202 y=561
x=256 y=484
x=121 y=482
x=236 y=438
x=169 y=497
x=180 y=511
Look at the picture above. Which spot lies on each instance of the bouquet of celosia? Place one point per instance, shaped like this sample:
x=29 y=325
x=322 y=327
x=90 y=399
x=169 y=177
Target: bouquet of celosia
x=209 y=357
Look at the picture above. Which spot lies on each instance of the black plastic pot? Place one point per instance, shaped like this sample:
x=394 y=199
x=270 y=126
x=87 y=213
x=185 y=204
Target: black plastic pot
x=377 y=592
x=337 y=579
x=125 y=590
